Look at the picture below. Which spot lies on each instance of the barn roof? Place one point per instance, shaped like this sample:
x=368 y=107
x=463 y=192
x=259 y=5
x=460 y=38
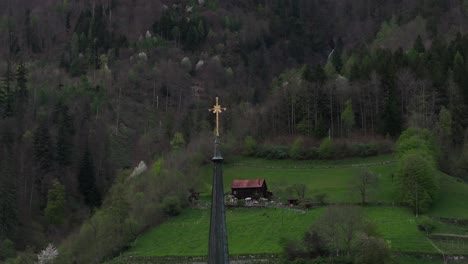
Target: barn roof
x=240 y=184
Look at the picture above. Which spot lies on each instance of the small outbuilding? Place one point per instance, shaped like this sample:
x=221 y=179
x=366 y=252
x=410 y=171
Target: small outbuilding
x=256 y=188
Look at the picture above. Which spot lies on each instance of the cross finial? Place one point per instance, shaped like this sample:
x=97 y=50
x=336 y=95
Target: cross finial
x=217 y=109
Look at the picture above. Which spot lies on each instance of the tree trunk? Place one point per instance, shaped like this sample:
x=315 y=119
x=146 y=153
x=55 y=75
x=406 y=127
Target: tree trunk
x=154 y=92
x=331 y=114
x=167 y=97
x=118 y=110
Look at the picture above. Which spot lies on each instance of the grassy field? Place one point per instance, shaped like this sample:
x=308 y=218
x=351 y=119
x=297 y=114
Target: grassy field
x=256 y=231
x=335 y=182
x=452 y=199
x=250 y=231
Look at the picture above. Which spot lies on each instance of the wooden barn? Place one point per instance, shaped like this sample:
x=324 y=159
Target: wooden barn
x=250 y=188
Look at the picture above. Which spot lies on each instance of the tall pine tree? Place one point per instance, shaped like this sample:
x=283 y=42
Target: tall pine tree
x=391 y=119
x=8 y=205
x=419 y=45
x=64 y=136
x=43 y=148
x=87 y=181
x=21 y=83
x=459 y=74
x=7 y=93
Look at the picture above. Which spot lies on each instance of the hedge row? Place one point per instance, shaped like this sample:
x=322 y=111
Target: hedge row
x=327 y=150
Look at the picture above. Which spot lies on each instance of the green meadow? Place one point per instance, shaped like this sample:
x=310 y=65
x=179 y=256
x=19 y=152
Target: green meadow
x=262 y=230
x=452 y=201
x=335 y=182
x=257 y=231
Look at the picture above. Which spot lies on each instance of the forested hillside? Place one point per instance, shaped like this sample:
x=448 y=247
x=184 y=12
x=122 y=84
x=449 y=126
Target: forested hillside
x=91 y=88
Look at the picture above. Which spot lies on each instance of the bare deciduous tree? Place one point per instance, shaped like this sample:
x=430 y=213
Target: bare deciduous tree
x=363 y=183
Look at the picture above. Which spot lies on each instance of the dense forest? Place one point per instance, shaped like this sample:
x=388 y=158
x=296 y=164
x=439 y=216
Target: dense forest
x=91 y=88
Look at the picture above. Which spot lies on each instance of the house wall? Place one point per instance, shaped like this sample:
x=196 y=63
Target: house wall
x=248 y=192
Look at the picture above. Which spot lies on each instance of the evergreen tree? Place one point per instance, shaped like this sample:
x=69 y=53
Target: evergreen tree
x=444 y=125
x=21 y=88
x=192 y=38
x=391 y=119
x=419 y=45
x=354 y=72
x=7 y=93
x=307 y=73
x=75 y=46
x=459 y=75
x=8 y=209
x=55 y=209
x=459 y=113
x=43 y=148
x=8 y=204
x=319 y=74
x=444 y=133
x=64 y=136
x=400 y=59
x=87 y=181
x=336 y=57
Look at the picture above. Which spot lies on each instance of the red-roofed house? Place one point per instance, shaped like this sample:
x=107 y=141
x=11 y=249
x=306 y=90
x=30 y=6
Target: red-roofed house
x=250 y=188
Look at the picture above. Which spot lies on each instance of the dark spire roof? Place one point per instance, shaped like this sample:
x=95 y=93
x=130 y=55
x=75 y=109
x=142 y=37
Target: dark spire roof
x=218 y=245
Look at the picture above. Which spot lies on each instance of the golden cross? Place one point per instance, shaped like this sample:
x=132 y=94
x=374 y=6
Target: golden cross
x=217 y=109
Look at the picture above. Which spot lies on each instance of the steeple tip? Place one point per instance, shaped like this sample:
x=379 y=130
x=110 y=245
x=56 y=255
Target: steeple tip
x=217 y=150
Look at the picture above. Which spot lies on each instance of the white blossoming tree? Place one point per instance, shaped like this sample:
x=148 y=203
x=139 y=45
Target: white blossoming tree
x=47 y=255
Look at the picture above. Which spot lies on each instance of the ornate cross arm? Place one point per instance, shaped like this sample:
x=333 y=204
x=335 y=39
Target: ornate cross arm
x=217 y=109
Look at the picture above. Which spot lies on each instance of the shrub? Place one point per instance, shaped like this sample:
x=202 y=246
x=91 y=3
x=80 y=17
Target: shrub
x=260 y=152
x=370 y=250
x=426 y=224
x=7 y=249
x=365 y=150
x=415 y=138
x=293 y=249
x=276 y=152
x=341 y=150
x=326 y=149
x=172 y=205
x=177 y=141
x=250 y=146
x=297 y=149
x=315 y=245
x=311 y=153
x=320 y=198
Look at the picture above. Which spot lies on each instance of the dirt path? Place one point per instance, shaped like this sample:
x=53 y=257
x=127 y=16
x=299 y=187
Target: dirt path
x=437 y=248
x=450 y=235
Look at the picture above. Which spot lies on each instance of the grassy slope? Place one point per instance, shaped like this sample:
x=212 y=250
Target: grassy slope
x=260 y=231
x=452 y=199
x=335 y=182
x=249 y=231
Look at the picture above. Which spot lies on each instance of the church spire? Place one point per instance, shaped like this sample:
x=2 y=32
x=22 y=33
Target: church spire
x=218 y=244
